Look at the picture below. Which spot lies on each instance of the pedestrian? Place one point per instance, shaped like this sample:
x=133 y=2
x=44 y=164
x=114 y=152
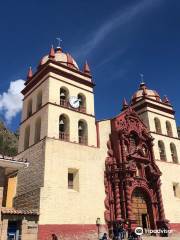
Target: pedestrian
x=115 y=231
x=104 y=237
x=120 y=232
x=54 y=237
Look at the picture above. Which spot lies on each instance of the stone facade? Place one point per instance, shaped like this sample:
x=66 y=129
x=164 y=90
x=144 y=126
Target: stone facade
x=69 y=207
x=31 y=179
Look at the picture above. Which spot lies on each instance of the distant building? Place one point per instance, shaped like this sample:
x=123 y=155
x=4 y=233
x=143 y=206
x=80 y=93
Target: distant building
x=13 y=222
x=124 y=169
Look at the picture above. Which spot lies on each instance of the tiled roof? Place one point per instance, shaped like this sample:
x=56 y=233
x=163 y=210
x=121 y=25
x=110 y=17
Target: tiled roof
x=14 y=159
x=5 y=210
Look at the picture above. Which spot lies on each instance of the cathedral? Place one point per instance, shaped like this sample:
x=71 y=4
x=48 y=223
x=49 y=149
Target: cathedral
x=84 y=175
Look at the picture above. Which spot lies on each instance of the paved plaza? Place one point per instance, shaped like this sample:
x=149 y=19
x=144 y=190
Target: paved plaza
x=171 y=237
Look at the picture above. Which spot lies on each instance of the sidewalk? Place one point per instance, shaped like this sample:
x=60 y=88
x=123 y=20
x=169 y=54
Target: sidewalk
x=171 y=237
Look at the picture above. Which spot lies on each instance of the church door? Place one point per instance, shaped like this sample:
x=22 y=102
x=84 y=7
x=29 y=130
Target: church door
x=141 y=209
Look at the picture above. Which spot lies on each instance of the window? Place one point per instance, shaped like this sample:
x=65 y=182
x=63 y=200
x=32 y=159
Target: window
x=176 y=190
x=162 y=151
x=37 y=135
x=82 y=102
x=26 y=137
x=70 y=180
x=39 y=101
x=169 y=129
x=73 y=179
x=64 y=127
x=157 y=125
x=29 y=108
x=82 y=132
x=173 y=153
x=64 y=94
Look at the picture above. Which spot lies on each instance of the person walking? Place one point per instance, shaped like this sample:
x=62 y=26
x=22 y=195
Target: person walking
x=54 y=237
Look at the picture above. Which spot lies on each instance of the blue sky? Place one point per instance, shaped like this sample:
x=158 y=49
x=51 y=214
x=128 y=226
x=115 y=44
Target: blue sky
x=119 y=38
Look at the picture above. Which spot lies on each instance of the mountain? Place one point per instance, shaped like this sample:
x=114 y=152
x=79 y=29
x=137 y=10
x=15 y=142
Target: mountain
x=8 y=141
x=178 y=130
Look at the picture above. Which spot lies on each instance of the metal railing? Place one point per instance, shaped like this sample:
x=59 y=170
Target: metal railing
x=174 y=158
x=83 y=140
x=158 y=130
x=163 y=156
x=64 y=136
x=169 y=133
x=65 y=103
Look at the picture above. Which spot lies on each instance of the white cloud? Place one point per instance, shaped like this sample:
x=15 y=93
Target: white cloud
x=11 y=101
x=118 y=20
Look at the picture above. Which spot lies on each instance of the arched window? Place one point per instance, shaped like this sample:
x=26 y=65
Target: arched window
x=169 y=129
x=173 y=153
x=39 y=101
x=26 y=137
x=29 y=108
x=157 y=125
x=82 y=102
x=83 y=132
x=162 y=151
x=64 y=127
x=37 y=135
x=64 y=94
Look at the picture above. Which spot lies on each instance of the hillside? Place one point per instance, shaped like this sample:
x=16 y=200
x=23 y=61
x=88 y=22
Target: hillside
x=8 y=141
x=178 y=129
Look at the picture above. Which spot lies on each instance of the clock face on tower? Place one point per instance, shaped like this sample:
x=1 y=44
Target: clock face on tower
x=74 y=102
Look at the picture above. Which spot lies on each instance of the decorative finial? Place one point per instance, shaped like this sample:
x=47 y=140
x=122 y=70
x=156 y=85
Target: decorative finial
x=59 y=40
x=52 y=52
x=124 y=104
x=166 y=100
x=86 y=69
x=30 y=73
x=69 y=60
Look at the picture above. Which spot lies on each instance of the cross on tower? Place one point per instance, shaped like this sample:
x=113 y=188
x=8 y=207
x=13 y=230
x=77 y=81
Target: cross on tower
x=59 y=40
x=142 y=77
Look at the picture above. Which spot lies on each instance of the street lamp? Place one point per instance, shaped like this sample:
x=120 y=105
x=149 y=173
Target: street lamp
x=98 y=223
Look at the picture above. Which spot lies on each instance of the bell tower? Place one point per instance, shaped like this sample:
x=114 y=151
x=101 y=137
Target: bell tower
x=58 y=92
x=58 y=138
x=159 y=116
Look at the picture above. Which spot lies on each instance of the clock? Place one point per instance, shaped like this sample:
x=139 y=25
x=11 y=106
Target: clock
x=74 y=102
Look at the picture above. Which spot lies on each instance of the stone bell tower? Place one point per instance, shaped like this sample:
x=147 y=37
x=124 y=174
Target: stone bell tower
x=159 y=116
x=58 y=137
x=58 y=92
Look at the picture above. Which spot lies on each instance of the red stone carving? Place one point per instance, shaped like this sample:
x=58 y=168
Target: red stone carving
x=129 y=147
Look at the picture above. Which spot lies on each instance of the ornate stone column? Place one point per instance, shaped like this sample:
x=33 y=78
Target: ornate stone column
x=160 y=201
x=162 y=222
x=118 y=204
x=128 y=199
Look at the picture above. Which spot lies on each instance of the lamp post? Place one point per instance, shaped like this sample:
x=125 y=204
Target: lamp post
x=98 y=223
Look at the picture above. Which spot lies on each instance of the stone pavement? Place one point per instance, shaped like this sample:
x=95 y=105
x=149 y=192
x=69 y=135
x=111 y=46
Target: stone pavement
x=171 y=237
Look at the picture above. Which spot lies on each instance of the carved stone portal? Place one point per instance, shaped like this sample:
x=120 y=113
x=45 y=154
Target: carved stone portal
x=131 y=177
